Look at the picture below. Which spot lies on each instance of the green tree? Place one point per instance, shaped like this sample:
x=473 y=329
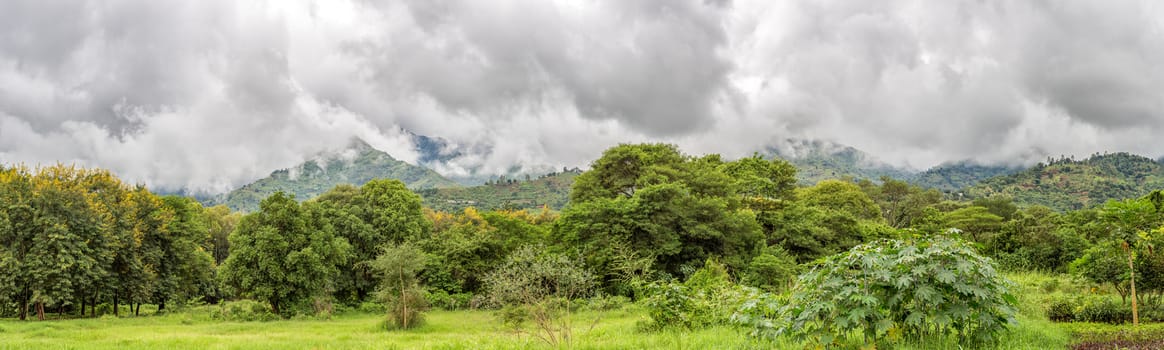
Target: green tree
x=1130 y=220
x=188 y=271
x=382 y=211
x=977 y=222
x=756 y=178
x=678 y=209
x=841 y=196
x=221 y=221
x=1104 y=263
x=397 y=267
x=278 y=258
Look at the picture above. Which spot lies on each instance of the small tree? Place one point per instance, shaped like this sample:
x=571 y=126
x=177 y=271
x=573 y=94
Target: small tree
x=397 y=267
x=542 y=285
x=1129 y=221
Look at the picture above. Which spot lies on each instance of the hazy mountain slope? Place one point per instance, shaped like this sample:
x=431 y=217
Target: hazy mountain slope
x=552 y=190
x=957 y=176
x=1066 y=184
x=818 y=160
x=356 y=165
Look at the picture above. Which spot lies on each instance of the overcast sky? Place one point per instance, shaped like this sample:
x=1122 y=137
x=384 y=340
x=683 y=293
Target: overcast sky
x=210 y=95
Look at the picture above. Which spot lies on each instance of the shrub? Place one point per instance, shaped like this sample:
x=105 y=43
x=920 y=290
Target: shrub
x=1101 y=309
x=445 y=301
x=371 y=308
x=772 y=270
x=604 y=302
x=243 y=310
x=513 y=316
x=707 y=298
x=1061 y=309
x=543 y=284
x=932 y=285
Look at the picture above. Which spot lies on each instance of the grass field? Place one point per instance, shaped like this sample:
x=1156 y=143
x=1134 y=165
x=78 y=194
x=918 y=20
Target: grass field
x=194 y=329
x=444 y=330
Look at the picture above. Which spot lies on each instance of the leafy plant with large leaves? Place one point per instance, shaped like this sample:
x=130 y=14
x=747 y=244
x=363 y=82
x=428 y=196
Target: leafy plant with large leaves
x=923 y=287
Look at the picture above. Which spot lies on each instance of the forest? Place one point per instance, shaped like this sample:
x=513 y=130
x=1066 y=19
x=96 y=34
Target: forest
x=667 y=246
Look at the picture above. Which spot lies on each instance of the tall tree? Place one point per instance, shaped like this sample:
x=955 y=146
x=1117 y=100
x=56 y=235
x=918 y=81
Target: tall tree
x=276 y=257
x=677 y=209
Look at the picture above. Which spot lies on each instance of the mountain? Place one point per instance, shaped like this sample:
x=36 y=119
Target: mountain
x=1068 y=184
x=551 y=190
x=957 y=176
x=820 y=160
x=356 y=165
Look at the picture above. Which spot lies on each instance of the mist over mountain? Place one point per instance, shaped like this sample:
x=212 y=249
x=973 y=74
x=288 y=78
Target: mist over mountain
x=356 y=164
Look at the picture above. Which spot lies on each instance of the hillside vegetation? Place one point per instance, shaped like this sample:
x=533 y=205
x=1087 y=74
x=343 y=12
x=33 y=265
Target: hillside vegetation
x=550 y=190
x=1068 y=184
x=358 y=165
x=957 y=176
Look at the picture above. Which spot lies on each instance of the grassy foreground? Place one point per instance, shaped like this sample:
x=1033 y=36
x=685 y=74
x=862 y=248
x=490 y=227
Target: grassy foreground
x=444 y=330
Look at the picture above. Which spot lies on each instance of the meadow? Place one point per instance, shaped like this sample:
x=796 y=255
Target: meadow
x=194 y=328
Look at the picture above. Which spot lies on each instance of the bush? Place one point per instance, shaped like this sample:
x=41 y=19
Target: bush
x=543 y=284
x=604 y=302
x=369 y=307
x=445 y=301
x=513 y=316
x=1102 y=310
x=407 y=310
x=243 y=310
x=707 y=298
x=1061 y=309
x=931 y=286
x=772 y=270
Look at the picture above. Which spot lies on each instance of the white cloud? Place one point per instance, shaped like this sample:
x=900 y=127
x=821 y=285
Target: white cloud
x=212 y=94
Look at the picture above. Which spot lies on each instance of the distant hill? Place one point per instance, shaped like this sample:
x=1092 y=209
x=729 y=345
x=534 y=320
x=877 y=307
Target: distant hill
x=958 y=176
x=357 y=165
x=551 y=190
x=818 y=160
x=1068 y=184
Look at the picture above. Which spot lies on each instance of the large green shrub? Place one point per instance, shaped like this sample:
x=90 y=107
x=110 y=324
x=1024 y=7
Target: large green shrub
x=539 y=286
x=1101 y=309
x=930 y=286
x=1061 y=309
x=707 y=298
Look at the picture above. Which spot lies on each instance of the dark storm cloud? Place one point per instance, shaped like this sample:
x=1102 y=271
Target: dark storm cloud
x=211 y=94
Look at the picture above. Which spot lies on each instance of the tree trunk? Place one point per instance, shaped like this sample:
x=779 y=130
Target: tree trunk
x=24 y=309
x=82 y=313
x=93 y=310
x=161 y=305
x=116 y=309
x=1135 y=305
x=40 y=310
x=137 y=310
x=60 y=311
x=403 y=301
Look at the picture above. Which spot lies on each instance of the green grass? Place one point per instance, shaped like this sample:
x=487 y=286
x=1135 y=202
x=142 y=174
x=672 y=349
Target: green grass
x=194 y=329
x=443 y=330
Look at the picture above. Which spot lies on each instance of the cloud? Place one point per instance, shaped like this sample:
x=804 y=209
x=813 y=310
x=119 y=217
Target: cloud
x=212 y=94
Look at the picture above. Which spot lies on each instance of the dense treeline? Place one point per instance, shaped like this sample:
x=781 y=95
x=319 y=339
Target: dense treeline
x=72 y=239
